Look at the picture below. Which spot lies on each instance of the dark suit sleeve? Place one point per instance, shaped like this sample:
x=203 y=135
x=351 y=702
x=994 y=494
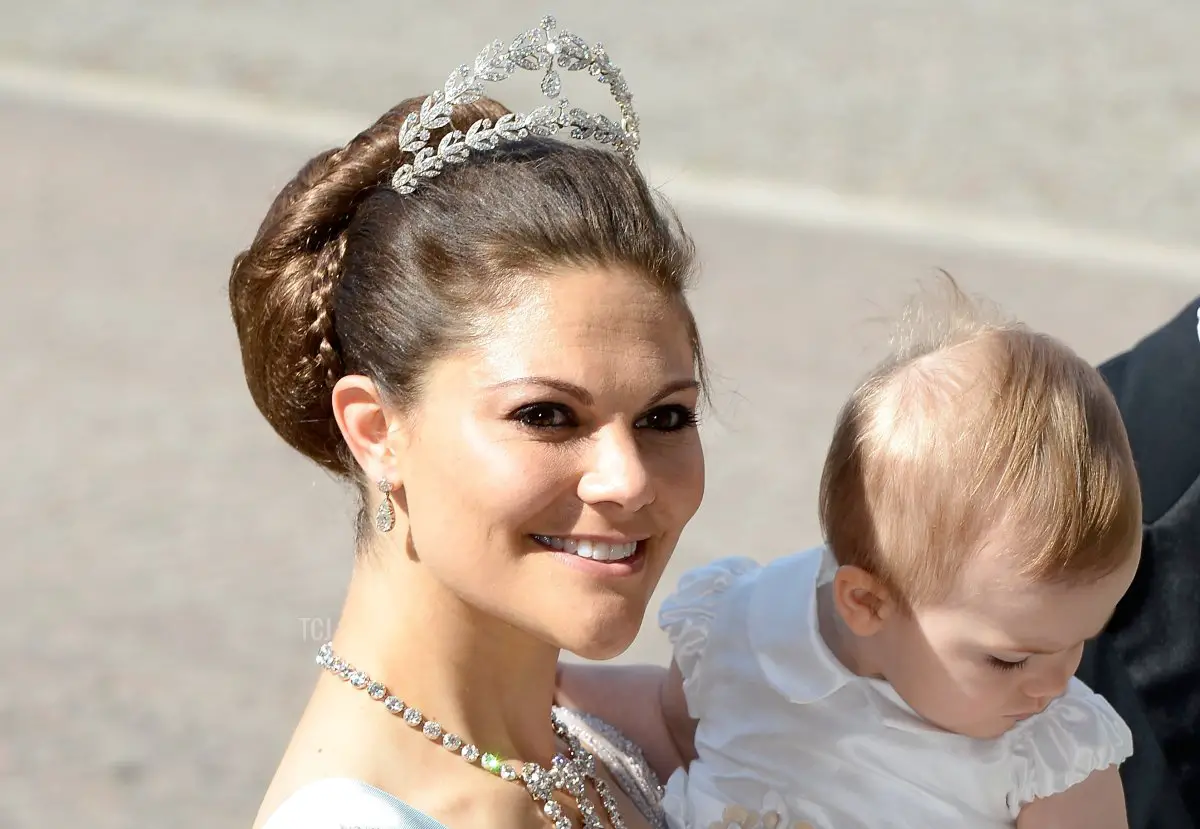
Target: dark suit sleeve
x=1147 y=662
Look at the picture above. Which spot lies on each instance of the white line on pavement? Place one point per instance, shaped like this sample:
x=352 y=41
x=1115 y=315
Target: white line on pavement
x=790 y=205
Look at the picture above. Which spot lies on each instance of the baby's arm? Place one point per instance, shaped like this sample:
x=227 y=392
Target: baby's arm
x=645 y=702
x=1096 y=803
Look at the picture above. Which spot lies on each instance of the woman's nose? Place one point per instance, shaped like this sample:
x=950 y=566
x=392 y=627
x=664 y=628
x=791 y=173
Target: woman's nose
x=616 y=472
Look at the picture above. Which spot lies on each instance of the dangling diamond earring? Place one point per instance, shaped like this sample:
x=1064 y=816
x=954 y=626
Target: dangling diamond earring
x=385 y=516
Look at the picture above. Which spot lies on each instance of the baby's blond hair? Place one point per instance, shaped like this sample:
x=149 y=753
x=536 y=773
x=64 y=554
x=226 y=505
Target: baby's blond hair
x=975 y=422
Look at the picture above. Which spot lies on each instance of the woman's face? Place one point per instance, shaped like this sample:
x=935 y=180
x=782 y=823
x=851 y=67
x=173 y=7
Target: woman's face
x=548 y=472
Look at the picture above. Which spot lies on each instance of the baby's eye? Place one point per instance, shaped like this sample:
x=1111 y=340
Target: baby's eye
x=1005 y=664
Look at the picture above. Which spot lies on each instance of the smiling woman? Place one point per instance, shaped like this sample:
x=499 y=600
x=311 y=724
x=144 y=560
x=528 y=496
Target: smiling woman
x=483 y=329
x=540 y=445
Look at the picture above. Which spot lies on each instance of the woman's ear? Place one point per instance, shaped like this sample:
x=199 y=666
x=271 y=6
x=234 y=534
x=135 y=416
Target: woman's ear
x=363 y=420
x=862 y=600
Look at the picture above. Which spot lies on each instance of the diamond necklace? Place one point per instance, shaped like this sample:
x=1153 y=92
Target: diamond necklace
x=568 y=774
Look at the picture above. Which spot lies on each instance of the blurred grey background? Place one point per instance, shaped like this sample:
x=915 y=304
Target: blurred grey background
x=170 y=567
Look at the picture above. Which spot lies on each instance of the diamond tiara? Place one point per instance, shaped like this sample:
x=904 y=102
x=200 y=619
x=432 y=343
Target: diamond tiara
x=536 y=50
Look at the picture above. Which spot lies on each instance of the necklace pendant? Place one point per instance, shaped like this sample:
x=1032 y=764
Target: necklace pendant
x=569 y=777
x=610 y=804
x=591 y=820
x=538 y=782
x=555 y=812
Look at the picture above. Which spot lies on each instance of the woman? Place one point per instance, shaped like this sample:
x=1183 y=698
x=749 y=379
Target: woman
x=483 y=328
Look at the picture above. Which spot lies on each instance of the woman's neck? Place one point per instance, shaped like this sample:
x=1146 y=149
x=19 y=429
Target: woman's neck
x=477 y=676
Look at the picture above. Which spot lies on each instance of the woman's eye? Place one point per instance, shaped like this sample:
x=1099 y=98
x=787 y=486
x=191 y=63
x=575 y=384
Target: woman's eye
x=668 y=419
x=1005 y=665
x=545 y=416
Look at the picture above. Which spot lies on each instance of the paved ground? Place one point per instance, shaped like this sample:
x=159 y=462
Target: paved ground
x=1080 y=112
x=169 y=566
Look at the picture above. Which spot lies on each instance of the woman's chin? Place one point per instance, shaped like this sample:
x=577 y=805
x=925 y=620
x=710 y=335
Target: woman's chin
x=597 y=652
x=601 y=641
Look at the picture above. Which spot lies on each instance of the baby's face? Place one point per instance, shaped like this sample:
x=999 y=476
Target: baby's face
x=1000 y=649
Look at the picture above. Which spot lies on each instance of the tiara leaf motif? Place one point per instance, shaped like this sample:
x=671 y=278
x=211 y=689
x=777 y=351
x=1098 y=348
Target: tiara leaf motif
x=537 y=50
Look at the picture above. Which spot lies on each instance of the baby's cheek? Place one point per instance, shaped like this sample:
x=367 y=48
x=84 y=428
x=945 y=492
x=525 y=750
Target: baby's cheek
x=975 y=684
x=997 y=693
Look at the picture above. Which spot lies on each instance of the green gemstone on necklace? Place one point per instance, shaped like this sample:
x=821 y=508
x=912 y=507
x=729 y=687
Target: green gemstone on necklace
x=491 y=762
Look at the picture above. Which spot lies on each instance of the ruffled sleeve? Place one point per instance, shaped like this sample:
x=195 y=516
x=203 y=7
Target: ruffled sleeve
x=687 y=614
x=1078 y=734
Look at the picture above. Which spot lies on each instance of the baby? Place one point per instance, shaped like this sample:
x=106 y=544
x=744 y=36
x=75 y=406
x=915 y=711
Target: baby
x=982 y=519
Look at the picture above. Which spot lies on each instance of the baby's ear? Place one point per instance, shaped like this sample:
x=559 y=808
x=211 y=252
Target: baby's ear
x=862 y=600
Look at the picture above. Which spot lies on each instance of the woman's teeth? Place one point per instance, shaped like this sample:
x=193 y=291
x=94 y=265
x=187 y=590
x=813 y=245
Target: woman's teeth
x=597 y=550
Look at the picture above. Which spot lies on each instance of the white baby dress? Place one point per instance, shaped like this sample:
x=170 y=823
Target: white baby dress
x=790 y=738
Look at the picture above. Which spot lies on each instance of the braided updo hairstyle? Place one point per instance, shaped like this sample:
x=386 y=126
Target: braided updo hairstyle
x=347 y=276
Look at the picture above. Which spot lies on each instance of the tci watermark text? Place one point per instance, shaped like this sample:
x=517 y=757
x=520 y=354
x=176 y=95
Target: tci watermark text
x=316 y=629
